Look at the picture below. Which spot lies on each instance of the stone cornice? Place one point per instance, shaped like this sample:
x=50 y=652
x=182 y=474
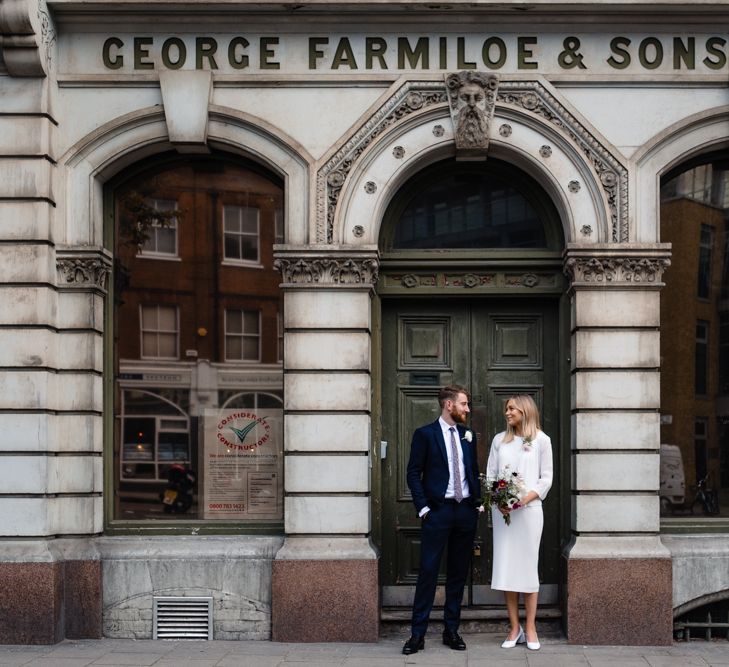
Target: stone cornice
x=27 y=37
x=618 y=266
x=83 y=268
x=311 y=267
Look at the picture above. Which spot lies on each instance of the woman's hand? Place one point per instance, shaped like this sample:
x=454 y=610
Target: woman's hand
x=505 y=511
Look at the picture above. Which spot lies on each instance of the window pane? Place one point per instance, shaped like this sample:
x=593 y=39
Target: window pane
x=233 y=347
x=168 y=345
x=149 y=345
x=250 y=348
x=249 y=249
x=167 y=318
x=249 y=222
x=233 y=321
x=232 y=246
x=149 y=318
x=456 y=205
x=166 y=240
x=231 y=218
x=251 y=321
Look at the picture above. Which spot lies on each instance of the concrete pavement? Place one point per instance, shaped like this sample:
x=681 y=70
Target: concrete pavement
x=483 y=651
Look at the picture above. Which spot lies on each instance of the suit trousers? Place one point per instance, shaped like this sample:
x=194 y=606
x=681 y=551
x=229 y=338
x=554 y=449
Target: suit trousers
x=450 y=526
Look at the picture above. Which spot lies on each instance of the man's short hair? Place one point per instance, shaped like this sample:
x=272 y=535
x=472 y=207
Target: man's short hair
x=450 y=393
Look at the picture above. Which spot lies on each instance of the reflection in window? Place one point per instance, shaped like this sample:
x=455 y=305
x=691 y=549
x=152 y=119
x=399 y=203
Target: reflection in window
x=240 y=224
x=181 y=330
x=158 y=328
x=457 y=205
x=695 y=316
x=705 y=246
x=242 y=335
x=162 y=238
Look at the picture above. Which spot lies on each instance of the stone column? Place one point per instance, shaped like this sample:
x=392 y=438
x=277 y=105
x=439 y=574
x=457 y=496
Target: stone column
x=619 y=581
x=325 y=581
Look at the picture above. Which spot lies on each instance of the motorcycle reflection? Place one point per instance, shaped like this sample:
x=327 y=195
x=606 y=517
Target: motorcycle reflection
x=178 y=494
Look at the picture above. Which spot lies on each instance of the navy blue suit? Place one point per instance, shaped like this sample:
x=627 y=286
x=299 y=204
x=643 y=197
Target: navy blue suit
x=448 y=525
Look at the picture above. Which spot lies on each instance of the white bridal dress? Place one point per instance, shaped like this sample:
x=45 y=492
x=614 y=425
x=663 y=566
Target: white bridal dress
x=516 y=546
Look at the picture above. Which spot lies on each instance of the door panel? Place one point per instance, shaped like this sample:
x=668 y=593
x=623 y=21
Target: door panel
x=493 y=347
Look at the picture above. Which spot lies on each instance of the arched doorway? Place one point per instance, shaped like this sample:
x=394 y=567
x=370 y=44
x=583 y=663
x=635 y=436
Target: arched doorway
x=471 y=291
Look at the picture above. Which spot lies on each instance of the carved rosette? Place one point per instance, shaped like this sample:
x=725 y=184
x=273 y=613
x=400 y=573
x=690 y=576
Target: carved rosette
x=328 y=271
x=83 y=269
x=617 y=271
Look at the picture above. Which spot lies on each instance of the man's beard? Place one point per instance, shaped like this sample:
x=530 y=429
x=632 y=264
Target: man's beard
x=457 y=416
x=471 y=127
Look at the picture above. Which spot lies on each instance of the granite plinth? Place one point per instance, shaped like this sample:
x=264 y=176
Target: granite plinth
x=625 y=602
x=82 y=599
x=31 y=603
x=325 y=601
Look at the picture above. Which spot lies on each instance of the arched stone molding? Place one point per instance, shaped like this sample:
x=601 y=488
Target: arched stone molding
x=701 y=601
x=700 y=133
x=91 y=162
x=531 y=128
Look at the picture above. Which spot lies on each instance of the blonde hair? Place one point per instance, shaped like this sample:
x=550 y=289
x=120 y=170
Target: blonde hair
x=530 y=417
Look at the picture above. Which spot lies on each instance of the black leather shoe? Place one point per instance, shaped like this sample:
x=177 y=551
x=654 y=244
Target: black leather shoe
x=454 y=641
x=414 y=644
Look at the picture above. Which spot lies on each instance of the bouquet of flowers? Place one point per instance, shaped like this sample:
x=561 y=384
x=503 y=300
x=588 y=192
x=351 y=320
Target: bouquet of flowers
x=505 y=491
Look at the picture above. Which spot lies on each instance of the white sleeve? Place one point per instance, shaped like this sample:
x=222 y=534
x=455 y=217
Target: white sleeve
x=544 y=483
x=492 y=467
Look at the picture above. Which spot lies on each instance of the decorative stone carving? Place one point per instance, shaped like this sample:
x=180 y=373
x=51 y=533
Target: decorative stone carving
x=472 y=97
x=83 y=268
x=545 y=151
x=27 y=37
x=533 y=97
x=574 y=186
x=505 y=130
x=328 y=270
x=411 y=97
x=586 y=230
x=398 y=152
x=603 y=270
x=358 y=231
x=370 y=187
x=420 y=96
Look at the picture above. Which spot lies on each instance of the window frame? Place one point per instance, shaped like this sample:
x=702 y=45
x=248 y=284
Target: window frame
x=142 y=331
x=242 y=335
x=174 y=224
x=240 y=261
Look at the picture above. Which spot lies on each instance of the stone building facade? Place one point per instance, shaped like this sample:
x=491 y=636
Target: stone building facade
x=455 y=193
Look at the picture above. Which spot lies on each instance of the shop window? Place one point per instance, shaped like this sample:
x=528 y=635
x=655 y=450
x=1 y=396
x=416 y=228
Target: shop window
x=161 y=239
x=242 y=335
x=471 y=206
x=197 y=436
x=159 y=332
x=241 y=231
x=695 y=323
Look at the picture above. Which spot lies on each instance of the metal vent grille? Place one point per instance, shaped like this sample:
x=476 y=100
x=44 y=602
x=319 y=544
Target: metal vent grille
x=183 y=618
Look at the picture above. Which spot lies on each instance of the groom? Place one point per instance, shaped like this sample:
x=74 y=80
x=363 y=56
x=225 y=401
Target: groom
x=443 y=479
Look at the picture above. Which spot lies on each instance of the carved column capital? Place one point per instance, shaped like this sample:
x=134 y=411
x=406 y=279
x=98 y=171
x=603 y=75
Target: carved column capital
x=619 y=266
x=83 y=268
x=345 y=267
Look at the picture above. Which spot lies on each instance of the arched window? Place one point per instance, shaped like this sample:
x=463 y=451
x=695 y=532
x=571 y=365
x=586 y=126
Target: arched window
x=695 y=340
x=470 y=206
x=197 y=314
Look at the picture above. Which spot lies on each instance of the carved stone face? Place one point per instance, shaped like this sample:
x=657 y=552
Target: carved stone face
x=472 y=94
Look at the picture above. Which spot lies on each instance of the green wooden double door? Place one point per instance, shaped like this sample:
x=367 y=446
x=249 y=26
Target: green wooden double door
x=495 y=347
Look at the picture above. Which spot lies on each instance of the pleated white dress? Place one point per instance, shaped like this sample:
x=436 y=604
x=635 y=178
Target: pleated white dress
x=516 y=546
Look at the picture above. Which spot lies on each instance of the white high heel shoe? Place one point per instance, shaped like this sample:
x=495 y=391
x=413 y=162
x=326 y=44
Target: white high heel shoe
x=511 y=643
x=533 y=646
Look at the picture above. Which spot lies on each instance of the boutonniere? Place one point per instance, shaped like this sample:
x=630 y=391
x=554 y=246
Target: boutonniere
x=468 y=436
x=527 y=444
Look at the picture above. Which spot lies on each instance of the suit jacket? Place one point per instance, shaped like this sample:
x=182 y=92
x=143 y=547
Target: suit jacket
x=428 y=472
